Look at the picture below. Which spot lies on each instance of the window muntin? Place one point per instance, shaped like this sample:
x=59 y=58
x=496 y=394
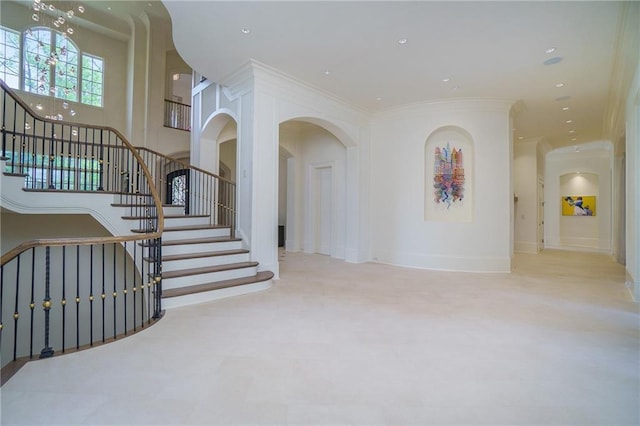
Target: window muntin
x=66 y=69
x=92 y=80
x=10 y=57
x=50 y=64
x=50 y=53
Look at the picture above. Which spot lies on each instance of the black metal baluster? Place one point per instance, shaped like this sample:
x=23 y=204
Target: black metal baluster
x=84 y=163
x=16 y=313
x=142 y=284
x=158 y=278
x=91 y=295
x=77 y=297
x=110 y=172
x=1 y=297
x=32 y=303
x=100 y=161
x=62 y=144
x=103 y=297
x=63 y=301
x=47 y=351
x=115 y=293
x=135 y=253
x=93 y=159
x=4 y=118
x=13 y=138
x=124 y=286
x=51 y=157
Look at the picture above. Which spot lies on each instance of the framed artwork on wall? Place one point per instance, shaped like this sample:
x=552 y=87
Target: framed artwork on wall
x=448 y=175
x=579 y=205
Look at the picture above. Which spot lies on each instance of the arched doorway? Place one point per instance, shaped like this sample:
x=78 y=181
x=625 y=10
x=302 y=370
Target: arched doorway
x=312 y=188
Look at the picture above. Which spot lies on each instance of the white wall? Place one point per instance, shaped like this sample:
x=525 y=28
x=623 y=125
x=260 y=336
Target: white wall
x=595 y=233
x=633 y=185
x=399 y=233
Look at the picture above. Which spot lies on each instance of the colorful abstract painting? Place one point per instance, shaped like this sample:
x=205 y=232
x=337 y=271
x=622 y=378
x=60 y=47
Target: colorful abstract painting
x=579 y=205
x=448 y=175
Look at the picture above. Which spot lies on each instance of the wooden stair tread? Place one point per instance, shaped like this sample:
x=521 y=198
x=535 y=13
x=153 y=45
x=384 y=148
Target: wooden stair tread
x=138 y=217
x=207 y=269
x=183 y=291
x=193 y=227
x=199 y=241
x=198 y=255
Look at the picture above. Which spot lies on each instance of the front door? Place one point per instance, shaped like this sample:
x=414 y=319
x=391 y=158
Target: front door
x=178 y=189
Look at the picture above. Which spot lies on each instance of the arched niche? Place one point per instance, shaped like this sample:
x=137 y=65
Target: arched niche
x=448 y=180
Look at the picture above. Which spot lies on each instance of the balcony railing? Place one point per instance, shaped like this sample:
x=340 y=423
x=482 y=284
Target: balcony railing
x=177 y=115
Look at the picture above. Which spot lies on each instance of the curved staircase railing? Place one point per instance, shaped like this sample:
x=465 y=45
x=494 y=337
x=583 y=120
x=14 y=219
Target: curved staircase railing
x=199 y=191
x=68 y=293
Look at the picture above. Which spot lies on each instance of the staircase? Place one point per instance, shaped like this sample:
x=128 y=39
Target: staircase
x=202 y=262
x=60 y=167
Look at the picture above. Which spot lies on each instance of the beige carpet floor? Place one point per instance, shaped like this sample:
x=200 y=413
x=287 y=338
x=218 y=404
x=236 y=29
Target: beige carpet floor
x=556 y=342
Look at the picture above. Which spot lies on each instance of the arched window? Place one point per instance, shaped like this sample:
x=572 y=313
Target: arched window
x=50 y=64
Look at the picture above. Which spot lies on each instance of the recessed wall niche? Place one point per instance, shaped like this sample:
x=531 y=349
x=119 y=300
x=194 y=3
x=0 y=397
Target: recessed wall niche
x=448 y=179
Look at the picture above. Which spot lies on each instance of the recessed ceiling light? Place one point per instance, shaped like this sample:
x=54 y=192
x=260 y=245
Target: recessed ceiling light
x=327 y=72
x=550 y=50
x=402 y=41
x=565 y=108
x=553 y=60
x=520 y=137
x=569 y=121
x=559 y=85
x=245 y=30
x=108 y=7
x=574 y=139
x=378 y=99
x=572 y=131
x=446 y=80
x=563 y=98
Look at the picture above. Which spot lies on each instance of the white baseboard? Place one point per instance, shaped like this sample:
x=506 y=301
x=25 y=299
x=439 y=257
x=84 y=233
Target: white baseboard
x=446 y=263
x=526 y=247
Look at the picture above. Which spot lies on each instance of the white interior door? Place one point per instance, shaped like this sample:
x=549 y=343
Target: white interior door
x=540 y=215
x=323 y=204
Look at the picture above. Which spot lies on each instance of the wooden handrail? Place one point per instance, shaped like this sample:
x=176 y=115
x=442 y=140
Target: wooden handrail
x=185 y=164
x=89 y=240
x=80 y=241
x=177 y=103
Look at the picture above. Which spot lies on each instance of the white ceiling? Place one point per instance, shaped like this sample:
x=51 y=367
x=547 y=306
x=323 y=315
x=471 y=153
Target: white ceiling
x=487 y=49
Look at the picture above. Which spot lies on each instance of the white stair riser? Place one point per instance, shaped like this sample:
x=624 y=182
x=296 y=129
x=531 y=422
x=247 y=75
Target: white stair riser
x=185 y=221
x=200 y=262
x=198 y=248
x=173 y=210
x=210 y=277
x=207 y=296
x=195 y=233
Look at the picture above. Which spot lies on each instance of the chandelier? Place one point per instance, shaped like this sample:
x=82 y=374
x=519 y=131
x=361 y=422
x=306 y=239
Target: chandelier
x=56 y=77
